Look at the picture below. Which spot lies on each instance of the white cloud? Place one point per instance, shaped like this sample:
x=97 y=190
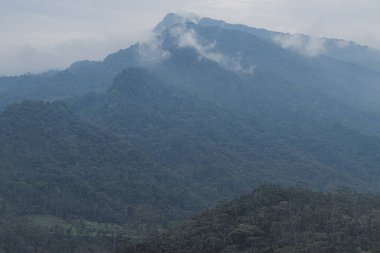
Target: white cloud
x=308 y=46
x=95 y=28
x=346 y=19
x=150 y=50
x=342 y=43
x=189 y=38
x=45 y=34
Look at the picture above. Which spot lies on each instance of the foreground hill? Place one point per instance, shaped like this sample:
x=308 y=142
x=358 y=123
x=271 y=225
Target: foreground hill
x=275 y=219
x=52 y=164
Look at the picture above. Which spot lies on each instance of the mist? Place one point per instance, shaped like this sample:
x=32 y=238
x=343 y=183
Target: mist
x=188 y=38
x=307 y=46
x=42 y=35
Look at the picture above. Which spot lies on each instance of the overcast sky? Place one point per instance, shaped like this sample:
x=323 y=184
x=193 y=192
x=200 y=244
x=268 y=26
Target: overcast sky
x=36 y=35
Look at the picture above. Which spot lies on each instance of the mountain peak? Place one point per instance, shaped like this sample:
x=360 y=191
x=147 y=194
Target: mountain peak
x=176 y=18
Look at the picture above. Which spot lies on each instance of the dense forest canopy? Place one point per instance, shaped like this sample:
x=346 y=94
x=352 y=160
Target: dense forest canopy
x=276 y=219
x=52 y=164
x=109 y=153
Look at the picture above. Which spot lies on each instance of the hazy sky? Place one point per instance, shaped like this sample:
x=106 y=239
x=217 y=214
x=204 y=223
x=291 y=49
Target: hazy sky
x=37 y=35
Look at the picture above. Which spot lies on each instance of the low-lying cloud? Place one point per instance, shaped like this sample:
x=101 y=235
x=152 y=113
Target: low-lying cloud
x=302 y=44
x=150 y=50
x=121 y=23
x=188 y=38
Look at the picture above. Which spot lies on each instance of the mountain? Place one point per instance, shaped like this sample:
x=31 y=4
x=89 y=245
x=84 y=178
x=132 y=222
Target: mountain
x=332 y=87
x=276 y=219
x=281 y=80
x=349 y=83
x=342 y=50
x=172 y=19
x=225 y=152
x=80 y=78
x=53 y=165
x=281 y=121
x=153 y=133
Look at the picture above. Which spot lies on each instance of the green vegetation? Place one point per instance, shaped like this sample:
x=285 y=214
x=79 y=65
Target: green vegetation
x=117 y=161
x=53 y=164
x=226 y=151
x=151 y=154
x=45 y=233
x=273 y=219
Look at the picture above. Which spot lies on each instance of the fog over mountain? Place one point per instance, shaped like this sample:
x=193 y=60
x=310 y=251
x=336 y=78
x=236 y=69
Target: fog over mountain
x=42 y=35
x=105 y=154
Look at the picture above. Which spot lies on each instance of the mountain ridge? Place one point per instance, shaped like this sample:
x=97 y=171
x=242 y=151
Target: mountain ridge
x=177 y=128
x=199 y=112
x=90 y=76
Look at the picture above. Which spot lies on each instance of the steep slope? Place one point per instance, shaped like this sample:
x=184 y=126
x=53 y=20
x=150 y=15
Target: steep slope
x=275 y=219
x=51 y=164
x=222 y=152
x=340 y=88
x=282 y=80
x=74 y=169
x=224 y=110
x=342 y=50
x=178 y=130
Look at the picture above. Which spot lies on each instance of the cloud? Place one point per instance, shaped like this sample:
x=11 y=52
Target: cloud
x=36 y=51
x=121 y=23
x=52 y=34
x=189 y=38
x=351 y=20
x=150 y=49
x=341 y=44
x=302 y=44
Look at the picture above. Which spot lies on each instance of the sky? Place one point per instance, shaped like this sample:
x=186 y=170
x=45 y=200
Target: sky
x=38 y=35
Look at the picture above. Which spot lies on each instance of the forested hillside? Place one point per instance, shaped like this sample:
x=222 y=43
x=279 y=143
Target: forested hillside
x=226 y=152
x=277 y=219
x=110 y=152
x=51 y=164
